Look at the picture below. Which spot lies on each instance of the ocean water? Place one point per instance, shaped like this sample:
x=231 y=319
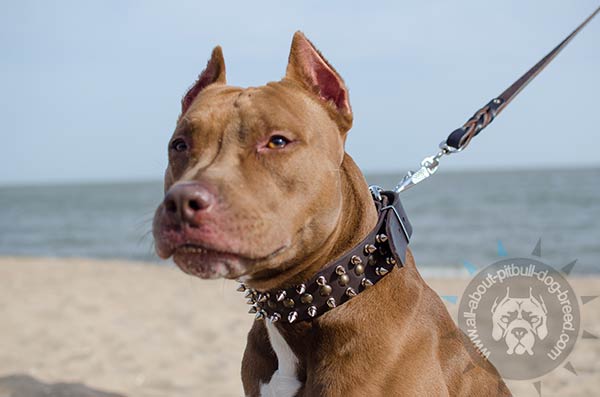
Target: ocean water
x=457 y=217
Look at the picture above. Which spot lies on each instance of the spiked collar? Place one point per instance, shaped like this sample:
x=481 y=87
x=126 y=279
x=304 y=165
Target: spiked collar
x=344 y=278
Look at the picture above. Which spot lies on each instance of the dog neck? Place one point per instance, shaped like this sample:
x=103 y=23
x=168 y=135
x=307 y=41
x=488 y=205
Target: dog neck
x=357 y=218
x=352 y=271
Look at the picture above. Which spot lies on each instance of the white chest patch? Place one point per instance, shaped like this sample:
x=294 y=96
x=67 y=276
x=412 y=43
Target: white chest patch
x=283 y=383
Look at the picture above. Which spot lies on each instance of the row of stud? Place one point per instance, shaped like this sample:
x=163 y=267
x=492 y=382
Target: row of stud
x=324 y=289
x=311 y=310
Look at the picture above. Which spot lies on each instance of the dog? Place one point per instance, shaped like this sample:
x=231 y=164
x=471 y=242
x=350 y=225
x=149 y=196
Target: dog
x=519 y=321
x=259 y=188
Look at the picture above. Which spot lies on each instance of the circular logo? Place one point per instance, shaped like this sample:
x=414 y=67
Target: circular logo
x=522 y=315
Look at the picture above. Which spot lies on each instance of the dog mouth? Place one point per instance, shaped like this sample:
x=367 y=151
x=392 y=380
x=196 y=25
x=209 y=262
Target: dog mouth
x=209 y=252
x=207 y=263
x=197 y=260
x=191 y=249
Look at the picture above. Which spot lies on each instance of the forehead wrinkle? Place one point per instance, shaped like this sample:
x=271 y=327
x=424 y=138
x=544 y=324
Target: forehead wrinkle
x=237 y=104
x=249 y=113
x=266 y=109
x=207 y=116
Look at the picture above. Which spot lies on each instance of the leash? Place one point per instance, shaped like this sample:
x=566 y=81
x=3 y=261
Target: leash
x=460 y=138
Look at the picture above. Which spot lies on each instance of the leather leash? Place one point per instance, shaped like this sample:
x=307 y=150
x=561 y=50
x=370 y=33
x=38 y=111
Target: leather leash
x=460 y=138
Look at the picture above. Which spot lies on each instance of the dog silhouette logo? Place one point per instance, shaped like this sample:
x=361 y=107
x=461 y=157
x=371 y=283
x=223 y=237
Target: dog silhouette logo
x=519 y=321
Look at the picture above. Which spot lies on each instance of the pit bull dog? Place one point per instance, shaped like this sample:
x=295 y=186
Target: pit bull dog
x=260 y=189
x=519 y=321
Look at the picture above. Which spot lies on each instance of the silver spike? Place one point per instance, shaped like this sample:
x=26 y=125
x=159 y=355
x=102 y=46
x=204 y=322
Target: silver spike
x=312 y=311
x=366 y=283
x=262 y=297
x=260 y=315
x=321 y=280
x=248 y=294
x=390 y=261
x=369 y=249
x=355 y=260
x=339 y=270
x=351 y=292
x=274 y=317
x=292 y=317
x=241 y=288
x=381 y=238
x=300 y=289
x=250 y=301
x=252 y=310
x=280 y=295
x=331 y=302
x=381 y=271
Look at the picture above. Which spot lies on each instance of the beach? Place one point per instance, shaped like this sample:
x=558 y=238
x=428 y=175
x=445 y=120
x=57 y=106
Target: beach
x=148 y=330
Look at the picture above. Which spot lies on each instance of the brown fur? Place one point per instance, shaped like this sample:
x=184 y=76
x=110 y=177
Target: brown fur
x=280 y=216
x=393 y=340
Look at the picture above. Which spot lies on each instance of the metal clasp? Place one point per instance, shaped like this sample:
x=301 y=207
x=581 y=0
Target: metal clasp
x=376 y=192
x=429 y=165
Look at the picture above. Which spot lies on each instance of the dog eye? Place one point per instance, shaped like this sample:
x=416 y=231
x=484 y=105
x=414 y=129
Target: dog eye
x=277 y=142
x=534 y=319
x=179 y=145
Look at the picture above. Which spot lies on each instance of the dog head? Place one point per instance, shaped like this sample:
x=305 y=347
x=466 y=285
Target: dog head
x=519 y=321
x=255 y=178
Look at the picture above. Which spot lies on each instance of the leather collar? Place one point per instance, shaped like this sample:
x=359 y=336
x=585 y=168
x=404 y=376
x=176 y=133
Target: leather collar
x=349 y=275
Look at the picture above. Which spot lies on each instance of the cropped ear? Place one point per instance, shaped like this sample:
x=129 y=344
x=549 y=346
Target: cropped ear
x=308 y=67
x=213 y=73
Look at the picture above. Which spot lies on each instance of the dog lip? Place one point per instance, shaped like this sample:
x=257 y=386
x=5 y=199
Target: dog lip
x=197 y=260
x=203 y=250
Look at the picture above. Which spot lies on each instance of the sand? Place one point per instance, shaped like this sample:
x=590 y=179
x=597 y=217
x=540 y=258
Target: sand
x=137 y=329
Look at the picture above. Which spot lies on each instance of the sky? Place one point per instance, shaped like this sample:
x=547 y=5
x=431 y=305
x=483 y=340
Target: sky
x=90 y=91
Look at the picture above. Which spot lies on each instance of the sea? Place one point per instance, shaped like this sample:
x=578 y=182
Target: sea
x=461 y=220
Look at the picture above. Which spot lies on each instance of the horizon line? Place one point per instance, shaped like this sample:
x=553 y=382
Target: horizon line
x=367 y=173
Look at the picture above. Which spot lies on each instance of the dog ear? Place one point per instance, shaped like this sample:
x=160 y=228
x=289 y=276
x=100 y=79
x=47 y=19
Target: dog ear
x=213 y=73
x=308 y=67
x=496 y=303
x=541 y=303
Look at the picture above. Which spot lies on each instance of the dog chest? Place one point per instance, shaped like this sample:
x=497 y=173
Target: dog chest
x=284 y=381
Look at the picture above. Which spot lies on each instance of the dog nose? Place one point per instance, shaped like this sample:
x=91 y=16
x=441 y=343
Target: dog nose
x=518 y=332
x=184 y=201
